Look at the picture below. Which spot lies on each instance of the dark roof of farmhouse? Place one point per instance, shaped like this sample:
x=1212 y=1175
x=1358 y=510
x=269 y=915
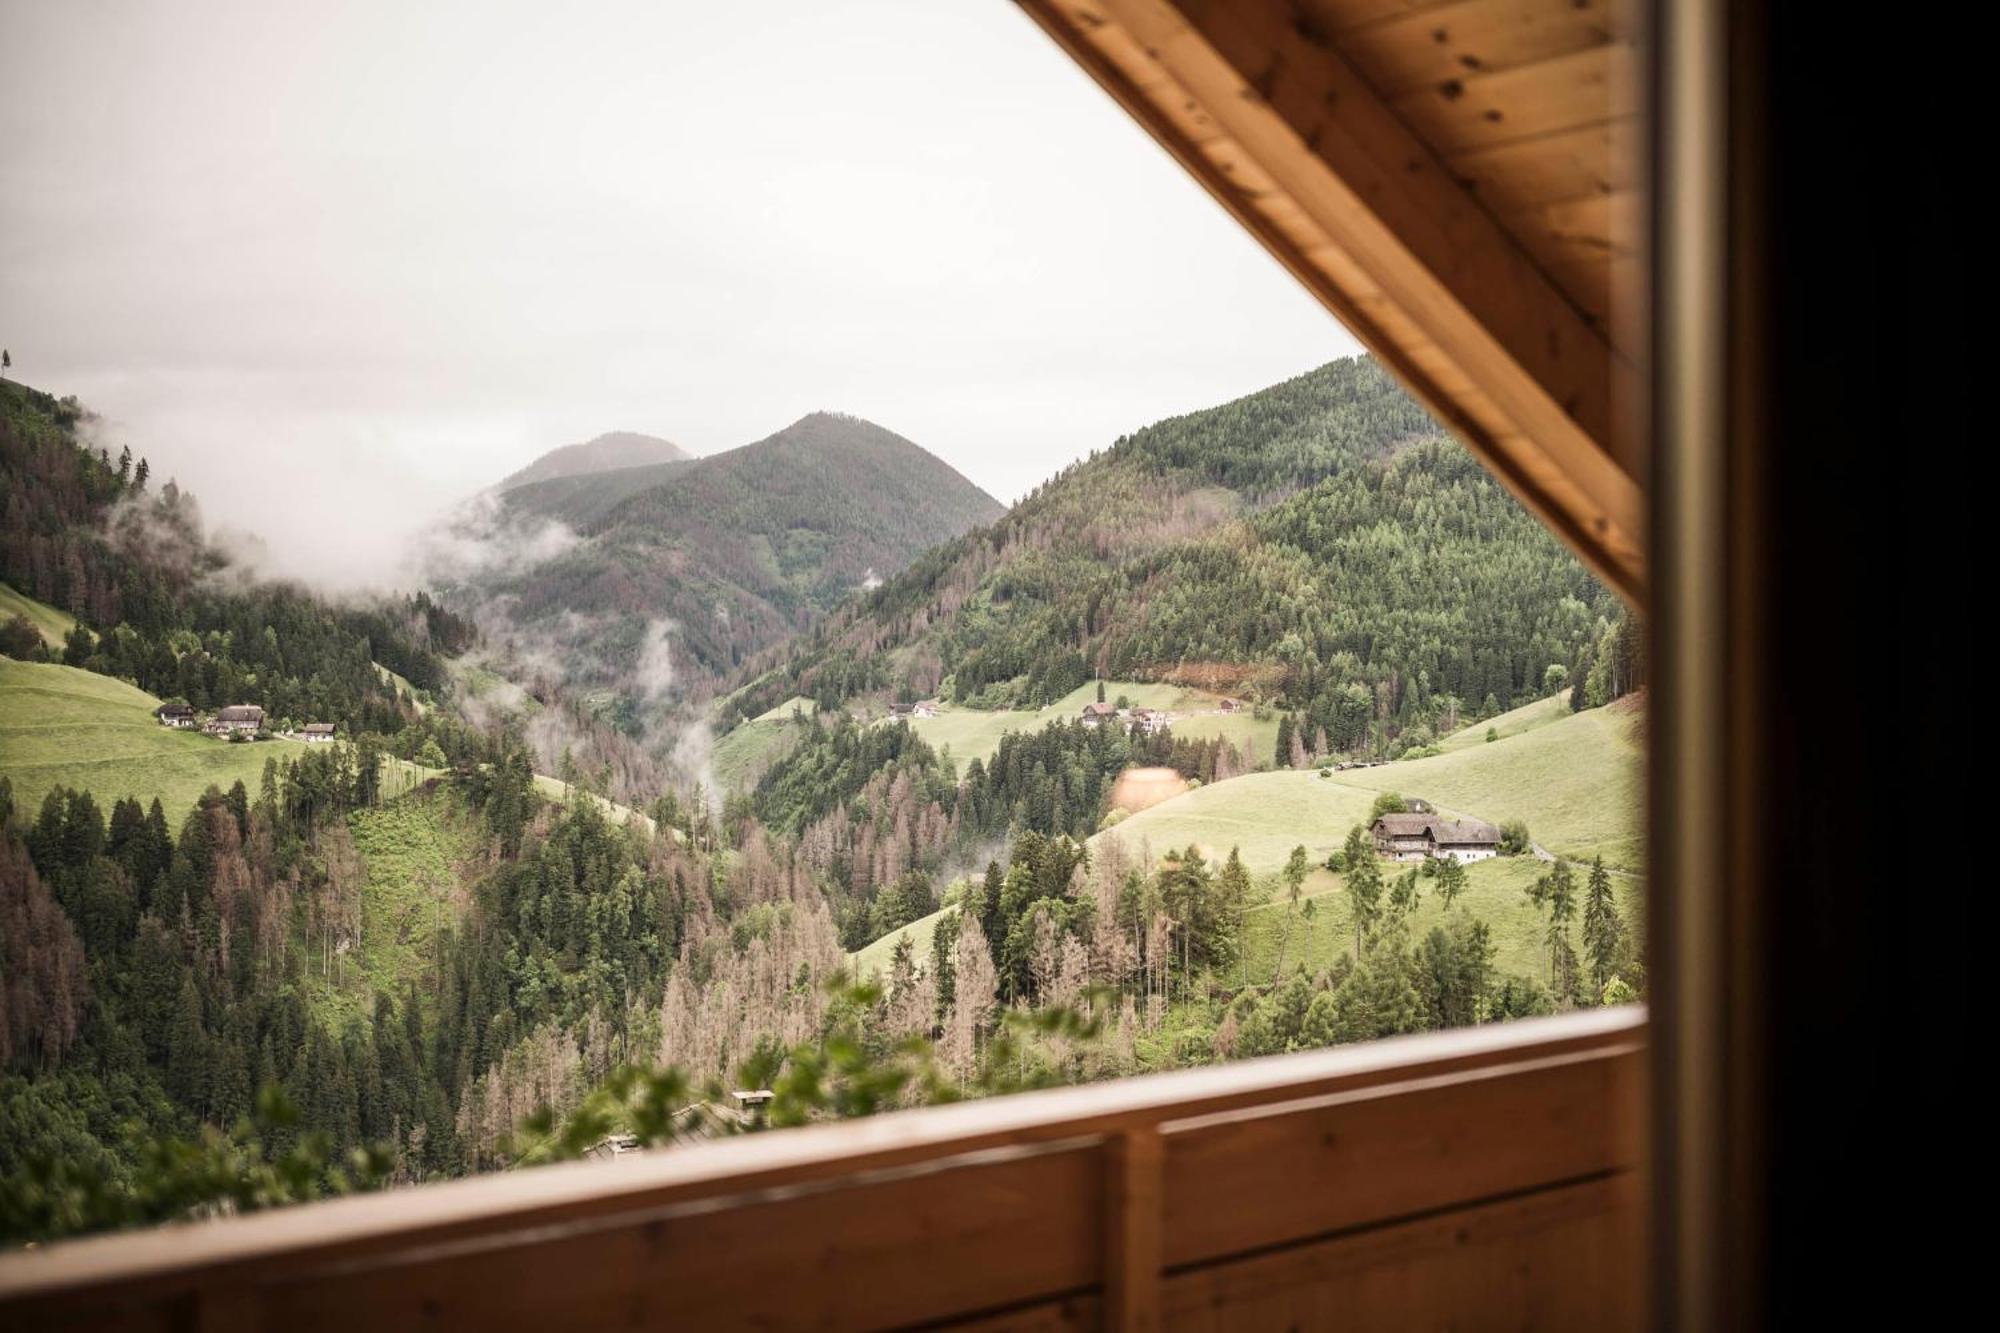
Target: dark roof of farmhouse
x=1406 y=826
x=241 y=713
x=1450 y=832
x=1463 y=832
x=319 y=728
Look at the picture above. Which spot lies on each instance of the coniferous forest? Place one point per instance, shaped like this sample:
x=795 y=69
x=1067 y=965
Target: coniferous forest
x=327 y=979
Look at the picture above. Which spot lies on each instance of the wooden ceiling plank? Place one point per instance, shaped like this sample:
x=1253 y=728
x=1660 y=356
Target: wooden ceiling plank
x=1585 y=88
x=1478 y=37
x=1545 y=169
x=1347 y=15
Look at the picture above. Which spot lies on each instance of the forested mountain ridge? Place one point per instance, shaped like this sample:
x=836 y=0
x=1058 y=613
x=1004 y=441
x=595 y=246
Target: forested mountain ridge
x=613 y=450
x=736 y=550
x=158 y=605
x=1322 y=545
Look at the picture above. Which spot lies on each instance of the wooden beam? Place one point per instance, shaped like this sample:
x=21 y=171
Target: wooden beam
x=1261 y=106
x=1134 y=1211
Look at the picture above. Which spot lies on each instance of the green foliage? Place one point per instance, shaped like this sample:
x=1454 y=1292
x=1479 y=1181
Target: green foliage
x=1388 y=803
x=171 y=1177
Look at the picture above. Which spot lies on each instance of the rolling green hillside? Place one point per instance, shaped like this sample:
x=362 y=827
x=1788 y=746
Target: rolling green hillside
x=65 y=727
x=556 y=790
x=1496 y=892
x=53 y=624
x=1574 y=778
x=743 y=754
x=62 y=726
x=974 y=733
x=1578 y=782
x=1510 y=723
x=1264 y=815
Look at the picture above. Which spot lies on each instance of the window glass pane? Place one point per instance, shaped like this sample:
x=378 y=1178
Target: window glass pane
x=716 y=604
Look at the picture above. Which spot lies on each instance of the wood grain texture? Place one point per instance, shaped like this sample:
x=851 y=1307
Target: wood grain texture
x=1566 y=1258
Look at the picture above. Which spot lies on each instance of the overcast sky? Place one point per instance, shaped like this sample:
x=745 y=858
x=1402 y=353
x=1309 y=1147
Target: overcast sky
x=334 y=265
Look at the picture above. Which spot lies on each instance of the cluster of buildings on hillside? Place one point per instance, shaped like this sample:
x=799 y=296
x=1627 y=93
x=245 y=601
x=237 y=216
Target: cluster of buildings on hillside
x=921 y=708
x=1149 y=720
x=235 y=720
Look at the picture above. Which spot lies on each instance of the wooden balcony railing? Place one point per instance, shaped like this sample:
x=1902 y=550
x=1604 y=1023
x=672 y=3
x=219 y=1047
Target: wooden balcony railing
x=1480 y=1178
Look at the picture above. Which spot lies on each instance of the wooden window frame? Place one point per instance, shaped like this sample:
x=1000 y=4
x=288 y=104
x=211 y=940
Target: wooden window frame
x=1498 y=1171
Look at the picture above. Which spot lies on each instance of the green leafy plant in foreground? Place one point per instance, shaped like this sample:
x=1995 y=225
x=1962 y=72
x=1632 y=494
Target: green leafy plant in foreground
x=215 y=1174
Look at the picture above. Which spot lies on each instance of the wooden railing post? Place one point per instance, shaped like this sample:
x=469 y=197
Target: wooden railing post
x=1133 y=1221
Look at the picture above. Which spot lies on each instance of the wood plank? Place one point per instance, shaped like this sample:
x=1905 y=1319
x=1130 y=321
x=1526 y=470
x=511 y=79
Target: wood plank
x=1134 y=1224
x=893 y=1252
x=1476 y=37
x=1072 y=1313
x=1485 y=110
x=1346 y=15
x=1566 y=1258
x=1591 y=248
x=1569 y=164
x=1343 y=1162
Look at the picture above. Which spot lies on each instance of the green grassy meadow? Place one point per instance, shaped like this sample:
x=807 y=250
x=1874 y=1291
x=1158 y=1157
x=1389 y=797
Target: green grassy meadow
x=1574 y=778
x=1511 y=723
x=743 y=754
x=63 y=726
x=1264 y=815
x=975 y=734
x=53 y=624
x=1578 y=782
x=1496 y=892
x=554 y=790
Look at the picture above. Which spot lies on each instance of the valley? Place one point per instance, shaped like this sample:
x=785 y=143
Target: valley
x=800 y=761
x=1573 y=779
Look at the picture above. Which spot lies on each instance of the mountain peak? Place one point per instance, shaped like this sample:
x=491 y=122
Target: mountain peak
x=605 y=453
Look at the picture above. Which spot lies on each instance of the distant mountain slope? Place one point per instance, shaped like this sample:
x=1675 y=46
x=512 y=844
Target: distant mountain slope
x=729 y=553
x=617 y=449
x=582 y=501
x=1322 y=545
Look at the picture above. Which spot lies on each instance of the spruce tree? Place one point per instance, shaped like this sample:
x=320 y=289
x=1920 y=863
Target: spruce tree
x=1364 y=883
x=1295 y=870
x=1603 y=930
x=1450 y=880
